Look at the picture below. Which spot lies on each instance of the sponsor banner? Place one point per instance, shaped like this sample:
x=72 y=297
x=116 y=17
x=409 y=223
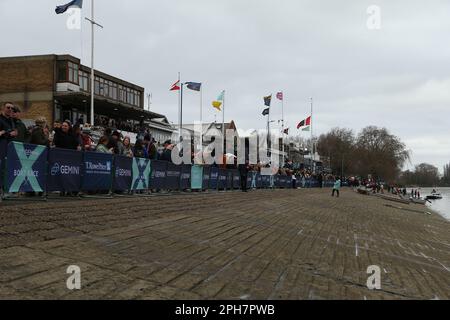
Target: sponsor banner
x=141 y=174
x=64 y=170
x=26 y=168
x=276 y=181
x=185 y=178
x=249 y=179
x=236 y=179
x=265 y=182
x=123 y=175
x=206 y=176
x=97 y=171
x=173 y=176
x=158 y=174
x=196 y=177
x=282 y=182
x=289 y=182
x=229 y=179
x=222 y=183
x=259 y=180
x=214 y=178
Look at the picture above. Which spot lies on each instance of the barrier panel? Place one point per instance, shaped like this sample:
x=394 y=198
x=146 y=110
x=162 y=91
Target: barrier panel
x=214 y=178
x=236 y=179
x=64 y=170
x=97 y=171
x=258 y=180
x=265 y=182
x=289 y=182
x=141 y=174
x=173 y=176
x=196 y=177
x=26 y=168
x=158 y=174
x=276 y=181
x=282 y=181
x=123 y=175
x=229 y=179
x=223 y=175
x=206 y=176
x=185 y=179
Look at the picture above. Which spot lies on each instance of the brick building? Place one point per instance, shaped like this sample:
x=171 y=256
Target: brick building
x=58 y=87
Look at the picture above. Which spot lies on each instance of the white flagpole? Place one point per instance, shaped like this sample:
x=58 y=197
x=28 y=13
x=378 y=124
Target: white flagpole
x=223 y=116
x=179 y=106
x=92 y=64
x=313 y=155
x=201 y=103
x=282 y=124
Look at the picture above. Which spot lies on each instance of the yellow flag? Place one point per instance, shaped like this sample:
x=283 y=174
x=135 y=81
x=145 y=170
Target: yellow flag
x=217 y=105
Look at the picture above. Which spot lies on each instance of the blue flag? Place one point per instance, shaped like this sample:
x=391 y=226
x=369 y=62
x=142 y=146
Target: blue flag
x=63 y=8
x=194 y=86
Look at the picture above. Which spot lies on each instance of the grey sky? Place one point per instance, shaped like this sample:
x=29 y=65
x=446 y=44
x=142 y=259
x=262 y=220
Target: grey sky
x=397 y=77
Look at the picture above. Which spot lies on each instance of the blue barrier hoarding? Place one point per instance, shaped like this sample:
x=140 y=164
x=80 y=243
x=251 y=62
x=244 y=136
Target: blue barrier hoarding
x=196 y=177
x=223 y=175
x=289 y=182
x=236 y=179
x=97 y=171
x=141 y=174
x=259 y=180
x=173 y=176
x=123 y=176
x=282 y=182
x=185 y=179
x=206 y=176
x=64 y=170
x=214 y=178
x=26 y=168
x=158 y=174
x=229 y=179
x=265 y=182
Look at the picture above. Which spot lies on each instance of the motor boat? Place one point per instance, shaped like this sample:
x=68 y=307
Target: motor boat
x=434 y=196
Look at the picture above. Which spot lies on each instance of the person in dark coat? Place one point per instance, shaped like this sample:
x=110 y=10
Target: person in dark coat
x=8 y=129
x=38 y=133
x=243 y=171
x=167 y=153
x=65 y=139
x=23 y=134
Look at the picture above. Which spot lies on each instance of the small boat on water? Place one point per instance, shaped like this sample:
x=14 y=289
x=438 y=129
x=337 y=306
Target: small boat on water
x=434 y=195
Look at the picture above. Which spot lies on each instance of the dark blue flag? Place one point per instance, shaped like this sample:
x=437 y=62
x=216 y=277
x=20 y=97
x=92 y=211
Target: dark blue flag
x=63 y=8
x=194 y=86
x=267 y=101
x=266 y=112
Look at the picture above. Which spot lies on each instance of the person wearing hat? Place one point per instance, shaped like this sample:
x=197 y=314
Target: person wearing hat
x=38 y=134
x=117 y=137
x=22 y=132
x=167 y=153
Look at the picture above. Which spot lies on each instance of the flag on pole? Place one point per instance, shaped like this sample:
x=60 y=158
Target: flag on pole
x=195 y=86
x=266 y=112
x=218 y=103
x=175 y=86
x=267 y=101
x=286 y=131
x=280 y=96
x=301 y=124
x=305 y=123
x=63 y=8
x=307 y=129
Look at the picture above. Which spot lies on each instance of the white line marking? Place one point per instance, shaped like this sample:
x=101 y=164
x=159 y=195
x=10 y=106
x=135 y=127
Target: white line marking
x=300 y=232
x=356 y=245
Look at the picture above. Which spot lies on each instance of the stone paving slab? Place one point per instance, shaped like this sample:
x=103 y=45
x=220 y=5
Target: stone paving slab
x=283 y=244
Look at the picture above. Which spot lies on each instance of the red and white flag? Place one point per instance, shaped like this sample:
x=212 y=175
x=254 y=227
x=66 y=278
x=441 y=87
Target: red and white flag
x=175 y=86
x=308 y=121
x=280 y=96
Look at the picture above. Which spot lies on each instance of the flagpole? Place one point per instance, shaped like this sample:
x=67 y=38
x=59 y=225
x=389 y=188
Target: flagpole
x=201 y=103
x=223 y=116
x=313 y=155
x=282 y=124
x=181 y=109
x=179 y=105
x=92 y=64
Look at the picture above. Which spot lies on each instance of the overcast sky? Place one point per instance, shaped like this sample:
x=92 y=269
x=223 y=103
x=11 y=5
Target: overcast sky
x=397 y=77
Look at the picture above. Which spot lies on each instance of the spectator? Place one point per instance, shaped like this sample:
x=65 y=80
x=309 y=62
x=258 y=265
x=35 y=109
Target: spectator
x=8 y=129
x=118 y=149
x=243 y=171
x=127 y=148
x=102 y=146
x=64 y=138
x=39 y=134
x=87 y=142
x=139 y=150
x=23 y=134
x=151 y=149
x=167 y=153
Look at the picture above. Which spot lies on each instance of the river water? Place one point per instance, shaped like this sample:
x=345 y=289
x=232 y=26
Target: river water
x=440 y=206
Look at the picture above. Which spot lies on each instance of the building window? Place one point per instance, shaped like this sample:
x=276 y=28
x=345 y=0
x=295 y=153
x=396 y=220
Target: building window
x=62 y=71
x=97 y=86
x=84 y=81
x=73 y=72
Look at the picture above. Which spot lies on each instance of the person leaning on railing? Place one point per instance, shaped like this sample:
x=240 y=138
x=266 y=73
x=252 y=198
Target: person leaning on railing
x=64 y=137
x=39 y=133
x=102 y=146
